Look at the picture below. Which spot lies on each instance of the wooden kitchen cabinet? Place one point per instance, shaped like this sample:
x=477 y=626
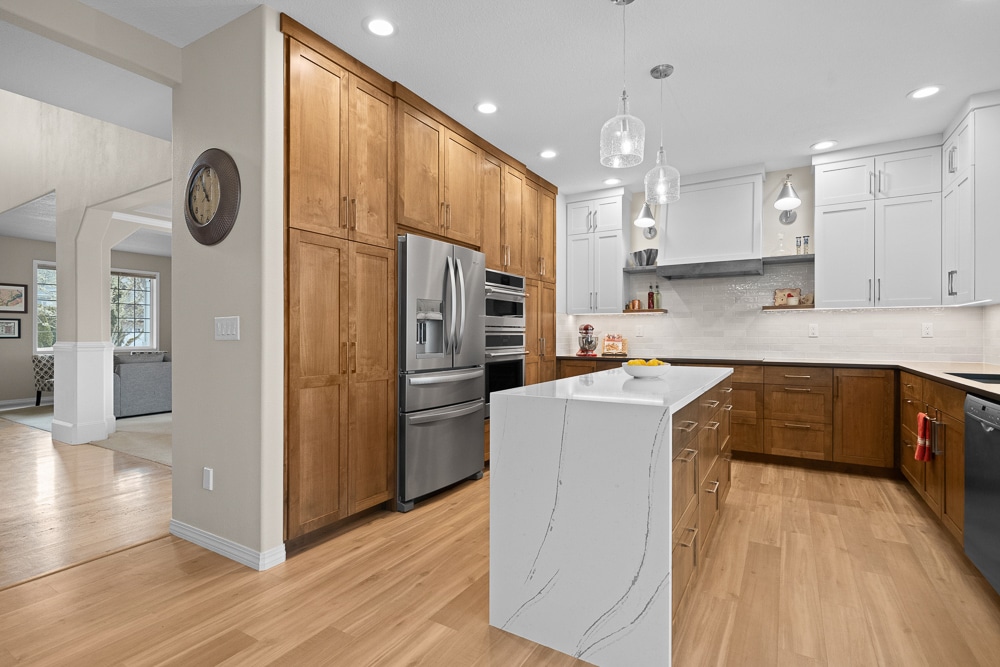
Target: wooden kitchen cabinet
x=539 y=232
x=532 y=332
x=513 y=219
x=340 y=151
x=439 y=178
x=568 y=368
x=940 y=481
x=547 y=331
x=494 y=238
x=341 y=379
x=863 y=426
x=798 y=409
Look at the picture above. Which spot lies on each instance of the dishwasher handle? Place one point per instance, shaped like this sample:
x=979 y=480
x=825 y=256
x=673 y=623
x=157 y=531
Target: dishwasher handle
x=988 y=427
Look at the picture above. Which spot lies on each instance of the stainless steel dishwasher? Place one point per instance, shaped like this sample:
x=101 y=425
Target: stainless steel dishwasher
x=982 y=486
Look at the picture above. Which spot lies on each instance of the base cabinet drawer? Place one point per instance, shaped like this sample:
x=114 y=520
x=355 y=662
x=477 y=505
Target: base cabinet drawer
x=685 y=554
x=708 y=448
x=912 y=469
x=807 y=440
x=799 y=403
x=685 y=481
x=709 y=504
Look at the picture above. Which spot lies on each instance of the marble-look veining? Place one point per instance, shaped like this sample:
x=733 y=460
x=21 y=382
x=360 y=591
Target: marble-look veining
x=580 y=512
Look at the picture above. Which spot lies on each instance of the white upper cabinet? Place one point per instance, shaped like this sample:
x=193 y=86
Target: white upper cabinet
x=595 y=253
x=883 y=176
x=958 y=153
x=845 y=257
x=958 y=240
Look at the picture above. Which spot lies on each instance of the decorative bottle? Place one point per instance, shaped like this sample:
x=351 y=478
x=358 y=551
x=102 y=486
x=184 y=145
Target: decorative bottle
x=649 y=298
x=656 y=297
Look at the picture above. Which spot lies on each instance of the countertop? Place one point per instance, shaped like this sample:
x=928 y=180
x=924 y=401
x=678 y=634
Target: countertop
x=935 y=370
x=678 y=386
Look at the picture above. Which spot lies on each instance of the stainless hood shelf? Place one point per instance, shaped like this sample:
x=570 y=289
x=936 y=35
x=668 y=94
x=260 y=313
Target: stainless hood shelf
x=746 y=267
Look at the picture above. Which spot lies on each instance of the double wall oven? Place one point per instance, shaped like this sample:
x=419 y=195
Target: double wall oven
x=505 y=332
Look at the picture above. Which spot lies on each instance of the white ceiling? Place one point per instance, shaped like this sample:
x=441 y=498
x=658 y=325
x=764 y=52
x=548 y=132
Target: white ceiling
x=755 y=81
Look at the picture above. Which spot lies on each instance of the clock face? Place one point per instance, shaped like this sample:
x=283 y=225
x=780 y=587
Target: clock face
x=203 y=196
x=649 y=232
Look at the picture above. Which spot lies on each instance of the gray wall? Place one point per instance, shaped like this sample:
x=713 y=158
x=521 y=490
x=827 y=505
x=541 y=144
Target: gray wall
x=17 y=257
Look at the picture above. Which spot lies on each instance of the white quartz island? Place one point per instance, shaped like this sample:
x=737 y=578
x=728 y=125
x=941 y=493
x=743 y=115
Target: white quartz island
x=580 y=512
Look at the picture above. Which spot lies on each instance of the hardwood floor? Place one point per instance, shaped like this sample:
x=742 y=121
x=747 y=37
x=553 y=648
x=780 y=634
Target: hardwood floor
x=819 y=568
x=61 y=505
x=806 y=568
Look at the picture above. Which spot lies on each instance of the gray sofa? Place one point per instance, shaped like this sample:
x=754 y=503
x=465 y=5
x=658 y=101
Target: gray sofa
x=142 y=383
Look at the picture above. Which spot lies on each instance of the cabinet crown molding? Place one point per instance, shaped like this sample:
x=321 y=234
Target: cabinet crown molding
x=874 y=150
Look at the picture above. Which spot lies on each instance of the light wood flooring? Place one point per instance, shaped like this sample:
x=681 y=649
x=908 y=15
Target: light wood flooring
x=65 y=504
x=806 y=568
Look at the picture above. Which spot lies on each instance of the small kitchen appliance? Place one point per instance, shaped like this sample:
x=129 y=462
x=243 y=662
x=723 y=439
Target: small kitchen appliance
x=588 y=341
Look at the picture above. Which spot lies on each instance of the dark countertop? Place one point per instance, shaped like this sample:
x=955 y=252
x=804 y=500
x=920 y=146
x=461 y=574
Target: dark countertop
x=938 y=371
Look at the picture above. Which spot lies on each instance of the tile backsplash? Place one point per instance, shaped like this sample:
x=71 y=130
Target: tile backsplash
x=720 y=317
x=991 y=334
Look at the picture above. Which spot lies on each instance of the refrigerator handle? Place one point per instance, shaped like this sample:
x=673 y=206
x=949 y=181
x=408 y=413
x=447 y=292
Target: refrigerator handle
x=451 y=286
x=437 y=416
x=425 y=379
x=461 y=290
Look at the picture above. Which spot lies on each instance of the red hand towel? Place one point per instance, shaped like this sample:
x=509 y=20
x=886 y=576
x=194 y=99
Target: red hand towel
x=923 y=426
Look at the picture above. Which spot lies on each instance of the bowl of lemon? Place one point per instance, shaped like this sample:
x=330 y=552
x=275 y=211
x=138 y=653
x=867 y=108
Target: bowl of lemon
x=645 y=368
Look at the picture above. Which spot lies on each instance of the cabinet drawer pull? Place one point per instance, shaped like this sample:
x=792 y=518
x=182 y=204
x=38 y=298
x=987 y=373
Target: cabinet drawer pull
x=693 y=426
x=804 y=377
x=805 y=389
x=727 y=390
x=694 y=536
x=908 y=400
x=728 y=407
x=712 y=425
x=908 y=445
x=798 y=425
x=693 y=453
x=714 y=489
x=353 y=216
x=712 y=404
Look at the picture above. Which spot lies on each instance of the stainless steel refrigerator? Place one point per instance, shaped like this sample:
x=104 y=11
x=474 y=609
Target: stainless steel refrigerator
x=442 y=385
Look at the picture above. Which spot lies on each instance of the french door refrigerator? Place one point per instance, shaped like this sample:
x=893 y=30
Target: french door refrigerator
x=442 y=385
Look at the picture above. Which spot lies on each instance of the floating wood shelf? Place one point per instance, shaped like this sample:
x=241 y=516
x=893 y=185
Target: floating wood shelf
x=645 y=310
x=800 y=307
x=789 y=259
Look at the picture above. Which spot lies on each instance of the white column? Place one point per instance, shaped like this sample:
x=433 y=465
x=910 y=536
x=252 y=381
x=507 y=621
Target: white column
x=82 y=388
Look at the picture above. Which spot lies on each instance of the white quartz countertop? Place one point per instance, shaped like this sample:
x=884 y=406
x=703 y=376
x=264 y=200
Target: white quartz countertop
x=677 y=387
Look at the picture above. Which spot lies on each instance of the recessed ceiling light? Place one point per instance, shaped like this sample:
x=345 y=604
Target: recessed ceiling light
x=612 y=181
x=380 y=27
x=921 y=93
x=823 y=145
x=548 y=154
x=486 y=107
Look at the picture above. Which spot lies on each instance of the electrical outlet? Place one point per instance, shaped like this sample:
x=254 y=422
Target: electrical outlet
x=227 y=328
x=207 y=479
x=814 y=331
x=927 y=330
x=640 y=332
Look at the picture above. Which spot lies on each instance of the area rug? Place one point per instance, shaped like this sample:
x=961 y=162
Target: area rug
x=36 y=417
x=149 y=437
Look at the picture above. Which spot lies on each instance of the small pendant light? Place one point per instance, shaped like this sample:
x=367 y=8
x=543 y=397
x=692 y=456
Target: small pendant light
x=623 y=138
x=645 y=218
x=663 y=182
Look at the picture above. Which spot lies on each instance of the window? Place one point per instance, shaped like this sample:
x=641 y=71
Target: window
x=45 y=306
x=133 y=308
x=133 y=304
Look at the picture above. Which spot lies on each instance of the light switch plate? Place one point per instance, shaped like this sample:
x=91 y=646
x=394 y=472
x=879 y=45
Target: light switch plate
x=208 y=479
x=227 y=328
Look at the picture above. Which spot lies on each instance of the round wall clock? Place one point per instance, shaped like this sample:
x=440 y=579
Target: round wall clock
x=212 y=196
x=649 y=232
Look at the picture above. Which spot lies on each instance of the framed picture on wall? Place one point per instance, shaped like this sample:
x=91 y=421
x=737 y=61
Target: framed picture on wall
x=10 y=328
x=13 y=298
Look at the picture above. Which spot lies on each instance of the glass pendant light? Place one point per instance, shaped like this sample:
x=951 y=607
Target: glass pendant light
x=663 y=182
x=623 y=138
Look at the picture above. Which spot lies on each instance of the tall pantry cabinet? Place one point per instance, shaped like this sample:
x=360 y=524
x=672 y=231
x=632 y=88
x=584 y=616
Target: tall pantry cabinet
x=341 y=274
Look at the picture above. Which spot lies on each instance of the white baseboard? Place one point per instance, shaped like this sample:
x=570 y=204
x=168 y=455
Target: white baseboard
x=241 y=554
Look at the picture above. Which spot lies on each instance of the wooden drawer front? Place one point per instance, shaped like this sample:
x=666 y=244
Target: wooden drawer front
x=799 y=376
x=947 y=399
x=724 y=417
x=747 y=437
x=685 y=554
x=725 y=477
x=603 y=365
x=684 y=427
x=708 y=448
x=912 y=469
x=713 y=399
x=751 y=374
x=685 y=482
x=709 y=504
x=568 y=369
x=801 y=439
x=908 y=410
x=799 y=404
x=911 y=385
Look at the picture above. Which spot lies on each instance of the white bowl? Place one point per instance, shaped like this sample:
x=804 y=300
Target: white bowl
x=645 y=371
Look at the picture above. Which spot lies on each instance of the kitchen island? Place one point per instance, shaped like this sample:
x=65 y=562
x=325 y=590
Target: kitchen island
x=581 y=512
